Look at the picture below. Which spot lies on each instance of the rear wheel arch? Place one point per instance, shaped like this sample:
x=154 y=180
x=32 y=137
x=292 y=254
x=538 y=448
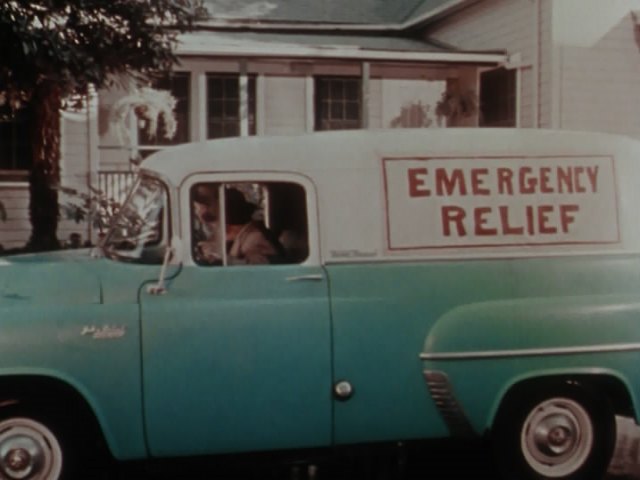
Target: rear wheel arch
x=559 y=427
x=611 y=386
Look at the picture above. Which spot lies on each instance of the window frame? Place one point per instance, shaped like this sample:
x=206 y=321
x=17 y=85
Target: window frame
x=252 y=105
x=313 y=257
x=167 y=220
x=323 y=104
x=507 y=109
x=20 y=146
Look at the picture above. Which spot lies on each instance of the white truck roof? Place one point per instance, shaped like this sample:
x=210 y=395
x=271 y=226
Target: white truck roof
x=442 y=193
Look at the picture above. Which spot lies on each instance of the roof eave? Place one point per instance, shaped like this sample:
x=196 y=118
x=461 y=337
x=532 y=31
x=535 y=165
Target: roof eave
x=282 y=26
x=341 y=53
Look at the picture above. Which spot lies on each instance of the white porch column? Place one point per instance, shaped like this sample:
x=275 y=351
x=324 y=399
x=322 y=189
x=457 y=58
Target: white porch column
x=309 y=104
x=244 y=100
x=366 y=88
x=199 y=106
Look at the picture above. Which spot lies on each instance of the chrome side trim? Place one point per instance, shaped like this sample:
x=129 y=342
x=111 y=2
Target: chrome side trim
x=531 y=352
x=314 y=277
x=447 y=405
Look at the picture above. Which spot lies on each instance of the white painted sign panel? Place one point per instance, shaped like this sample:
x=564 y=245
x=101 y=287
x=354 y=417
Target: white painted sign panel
x=434 y=203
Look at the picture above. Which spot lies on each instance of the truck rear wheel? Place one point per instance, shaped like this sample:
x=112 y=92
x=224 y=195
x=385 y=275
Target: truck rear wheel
x=32 y=448
x=562 y=433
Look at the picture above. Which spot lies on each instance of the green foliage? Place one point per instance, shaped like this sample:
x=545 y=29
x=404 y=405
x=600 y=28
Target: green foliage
x=94 y=207
x=455 y=104
x=77 y=43
x=53 y=49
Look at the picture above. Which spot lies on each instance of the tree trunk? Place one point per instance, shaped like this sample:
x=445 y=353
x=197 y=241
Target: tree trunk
x=45 y=169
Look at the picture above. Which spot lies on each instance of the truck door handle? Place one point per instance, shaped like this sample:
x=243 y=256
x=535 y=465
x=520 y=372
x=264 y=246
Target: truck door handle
x=314 y=277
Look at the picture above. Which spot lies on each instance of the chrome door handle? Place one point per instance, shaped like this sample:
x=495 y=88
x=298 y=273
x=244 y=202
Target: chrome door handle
x=314 y=277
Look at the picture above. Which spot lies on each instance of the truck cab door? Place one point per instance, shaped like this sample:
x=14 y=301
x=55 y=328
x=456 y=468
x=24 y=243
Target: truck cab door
x=237 y=357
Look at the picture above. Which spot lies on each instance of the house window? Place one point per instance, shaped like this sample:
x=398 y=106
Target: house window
x=224 y=110
x=15 y=141
x=178 y=84
x=338 y=103
x=498 y=98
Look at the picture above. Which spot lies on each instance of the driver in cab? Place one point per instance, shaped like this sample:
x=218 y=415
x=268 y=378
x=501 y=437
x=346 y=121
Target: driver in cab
x=248 y=241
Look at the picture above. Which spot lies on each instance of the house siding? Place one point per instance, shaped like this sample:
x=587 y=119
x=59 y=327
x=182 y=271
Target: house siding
x=15 y=231
x=285 y=100
x=77 y=165
x=598 y=82
x=510 y=25
x=547 y=67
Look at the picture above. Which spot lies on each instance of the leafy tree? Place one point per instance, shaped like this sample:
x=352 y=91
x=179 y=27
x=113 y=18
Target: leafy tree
x=52 y=49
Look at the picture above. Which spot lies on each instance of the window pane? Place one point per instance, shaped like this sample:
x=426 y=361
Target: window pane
x=214 y=89
x=266 y=223
x=224 y=105
x=232 y=88
x=337 y=89
x=352 y=111
x=140 y=229
x=15 y=142
x=498 y=98
x=231 y=107
x=336 y=111
x=352 y=90
x=213 y=130
x=231 y=129
x=215 y=109
x=338 y=103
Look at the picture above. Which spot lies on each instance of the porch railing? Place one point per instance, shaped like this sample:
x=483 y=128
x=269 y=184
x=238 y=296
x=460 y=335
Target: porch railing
x=115 y=184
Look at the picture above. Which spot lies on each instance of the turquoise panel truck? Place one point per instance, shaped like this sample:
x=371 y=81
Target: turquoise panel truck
x=334 y=289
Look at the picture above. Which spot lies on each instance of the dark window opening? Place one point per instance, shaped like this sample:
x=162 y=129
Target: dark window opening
x=224 y=109
x=16 y=150
x=498 y=98
x=244 y=223
x=338 y=103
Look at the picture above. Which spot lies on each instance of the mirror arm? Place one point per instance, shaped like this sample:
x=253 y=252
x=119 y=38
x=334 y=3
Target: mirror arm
x=159 y=288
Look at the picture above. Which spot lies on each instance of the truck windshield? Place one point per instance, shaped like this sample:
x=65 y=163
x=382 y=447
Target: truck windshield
x=139 y=230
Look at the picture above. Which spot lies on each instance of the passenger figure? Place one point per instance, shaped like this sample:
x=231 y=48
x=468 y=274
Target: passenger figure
x=248 y=241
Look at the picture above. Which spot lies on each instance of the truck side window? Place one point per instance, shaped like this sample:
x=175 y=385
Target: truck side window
x=245 y=223
x=139 y=232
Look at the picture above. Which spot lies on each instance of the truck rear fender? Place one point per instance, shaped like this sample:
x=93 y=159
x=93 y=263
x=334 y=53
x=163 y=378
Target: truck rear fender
x=614 y=386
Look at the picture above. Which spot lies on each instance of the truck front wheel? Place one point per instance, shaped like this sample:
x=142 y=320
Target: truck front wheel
x=31 y=448
x=562 y=433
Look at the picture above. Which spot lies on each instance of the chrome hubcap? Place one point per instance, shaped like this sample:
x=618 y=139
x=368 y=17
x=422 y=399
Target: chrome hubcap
x=28 y=451
x=18 y=459
x=557 y=437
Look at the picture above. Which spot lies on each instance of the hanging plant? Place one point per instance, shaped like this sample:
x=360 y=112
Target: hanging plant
x=148 y=105
x=455 y=104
